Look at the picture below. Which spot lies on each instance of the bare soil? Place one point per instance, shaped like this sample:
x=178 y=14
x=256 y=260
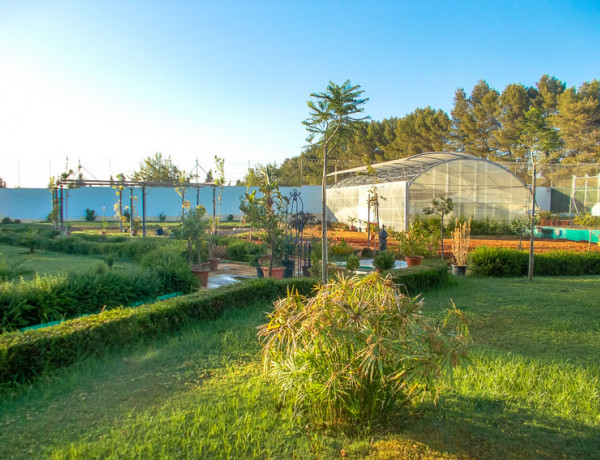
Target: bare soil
x=359 y=240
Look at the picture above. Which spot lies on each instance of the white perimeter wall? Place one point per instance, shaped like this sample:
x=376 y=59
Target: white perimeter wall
x=34 y=204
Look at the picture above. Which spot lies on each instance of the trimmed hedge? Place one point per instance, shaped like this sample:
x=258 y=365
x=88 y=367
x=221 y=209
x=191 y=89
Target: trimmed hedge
x=24 y=355
x=433 y=273
x=488 y=261
x=119 y=246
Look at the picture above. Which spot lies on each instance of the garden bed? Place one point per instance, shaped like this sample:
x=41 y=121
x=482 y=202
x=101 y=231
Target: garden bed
x=359 y=240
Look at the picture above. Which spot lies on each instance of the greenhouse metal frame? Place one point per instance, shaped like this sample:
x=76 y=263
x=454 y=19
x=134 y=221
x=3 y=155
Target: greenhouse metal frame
x=479 y=189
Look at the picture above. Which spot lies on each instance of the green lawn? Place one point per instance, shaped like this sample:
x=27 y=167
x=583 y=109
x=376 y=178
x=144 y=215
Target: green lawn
x=534 y=391
x=50 y=262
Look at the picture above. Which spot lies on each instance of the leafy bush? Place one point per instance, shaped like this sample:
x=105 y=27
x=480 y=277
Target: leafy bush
x=357 y=349
x=341 y=251
x=6 y=220
x=171 y=268
x=90 y=215
x=498 y=261
x=25 y=355
x=384 y=261
x=51 y=298
x=414 y=280
x=352 y=263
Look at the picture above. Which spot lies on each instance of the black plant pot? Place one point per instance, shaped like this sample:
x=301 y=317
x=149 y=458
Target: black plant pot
x=459 y=270
x=259 y=272
x=289 y=268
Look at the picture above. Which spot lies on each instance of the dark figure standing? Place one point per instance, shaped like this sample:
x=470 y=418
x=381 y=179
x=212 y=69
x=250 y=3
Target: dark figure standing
x=383 y=239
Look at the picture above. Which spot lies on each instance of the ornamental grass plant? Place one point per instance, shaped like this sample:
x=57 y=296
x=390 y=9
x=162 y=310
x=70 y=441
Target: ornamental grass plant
x=461 y=238
x=358 y=349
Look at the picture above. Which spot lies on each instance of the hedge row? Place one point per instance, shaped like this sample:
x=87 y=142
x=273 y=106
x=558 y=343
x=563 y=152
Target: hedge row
x=511 y=262
x=23 y=355
x=119 y=246
x=51 y=298
x=433 y=273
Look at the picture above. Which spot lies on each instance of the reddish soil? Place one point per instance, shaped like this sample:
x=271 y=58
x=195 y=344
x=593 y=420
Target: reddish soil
x=359 y=240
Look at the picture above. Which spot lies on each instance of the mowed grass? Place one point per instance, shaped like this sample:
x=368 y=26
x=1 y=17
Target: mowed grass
x=534 y=391
x=51 y=262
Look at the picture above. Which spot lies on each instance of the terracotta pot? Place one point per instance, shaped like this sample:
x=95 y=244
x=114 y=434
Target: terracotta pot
x=412 y=261
x=276 y=272
x=214 y=263
x=201 y=272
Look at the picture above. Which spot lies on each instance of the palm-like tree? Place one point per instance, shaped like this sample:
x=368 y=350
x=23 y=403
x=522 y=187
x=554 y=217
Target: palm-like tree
x=330 y=113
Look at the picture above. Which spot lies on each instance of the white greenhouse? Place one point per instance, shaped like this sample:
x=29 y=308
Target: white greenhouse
x=479 y=189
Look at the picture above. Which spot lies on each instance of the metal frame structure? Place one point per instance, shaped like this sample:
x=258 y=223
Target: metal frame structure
x=61 y=184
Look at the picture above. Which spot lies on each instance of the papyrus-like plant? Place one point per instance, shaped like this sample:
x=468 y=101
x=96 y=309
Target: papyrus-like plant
x=357 y=348
x=461 y=239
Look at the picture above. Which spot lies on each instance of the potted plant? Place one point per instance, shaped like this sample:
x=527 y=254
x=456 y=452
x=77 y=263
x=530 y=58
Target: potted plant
x=213 y=257
x=413 y=243
x=384 y=261
x=352 y=221
x=265 y=211
x=193 y=229
x=461 y=237
x=255 y=255
x=286 y=249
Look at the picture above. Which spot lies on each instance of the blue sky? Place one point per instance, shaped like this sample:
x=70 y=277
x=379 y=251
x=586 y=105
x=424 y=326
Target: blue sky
x=111 y=82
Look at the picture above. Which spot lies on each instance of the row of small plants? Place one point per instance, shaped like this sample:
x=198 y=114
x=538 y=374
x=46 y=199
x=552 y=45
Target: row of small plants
x=494 y=261
x=111 y=247
x=51 y=298
x=478 y=226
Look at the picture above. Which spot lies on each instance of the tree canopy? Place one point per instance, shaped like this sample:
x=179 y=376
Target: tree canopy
x=159 y=169
x=483 y=122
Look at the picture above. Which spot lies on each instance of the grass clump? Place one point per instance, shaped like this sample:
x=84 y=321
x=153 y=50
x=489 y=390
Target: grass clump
x=357 y=349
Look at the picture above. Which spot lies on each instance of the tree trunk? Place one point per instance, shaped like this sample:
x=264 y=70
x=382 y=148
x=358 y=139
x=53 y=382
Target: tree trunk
x=324 y=218
x=533 y=174
x=442 y=233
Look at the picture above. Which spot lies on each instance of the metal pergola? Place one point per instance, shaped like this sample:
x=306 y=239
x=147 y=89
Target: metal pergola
x=61 y=184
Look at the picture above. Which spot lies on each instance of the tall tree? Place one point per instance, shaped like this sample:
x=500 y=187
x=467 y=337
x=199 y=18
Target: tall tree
x=549 y=89
x=578 y=119
x=542 y=140
x=158 y=169
x=330 y=113
x=424 y=130
x=484 y=106
x=512 y=105
x=463 y=123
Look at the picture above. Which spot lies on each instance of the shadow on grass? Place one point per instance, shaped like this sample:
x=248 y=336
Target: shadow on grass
x=486 y=428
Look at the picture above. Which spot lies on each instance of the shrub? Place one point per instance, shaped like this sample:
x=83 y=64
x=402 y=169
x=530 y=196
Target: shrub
x=352 y=263
x=356 y=349
x=341 y=251
x=90 y=215
x=414 y=280
x=171 y=268
x=367 y=253
x=162 y=217
x=6 y=220
x=384 y=261
x=498 y=261
x=509 y=262
x=25 y=355
x=52 y=298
